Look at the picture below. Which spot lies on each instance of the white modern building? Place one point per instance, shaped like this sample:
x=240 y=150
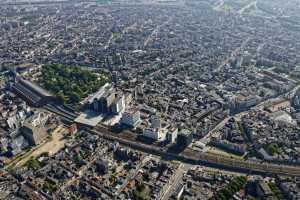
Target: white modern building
x=119 y=104
x=157 y=134
x=131 y=117
x=172 y=134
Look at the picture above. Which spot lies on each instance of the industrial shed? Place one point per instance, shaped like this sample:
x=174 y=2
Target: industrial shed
x=32 y=93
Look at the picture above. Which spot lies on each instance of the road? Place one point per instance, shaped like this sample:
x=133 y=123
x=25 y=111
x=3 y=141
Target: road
x=233 y=54
x=242 y=10
x=155 y=32
x=81 y=172
x=132 y=175
x=214 y=132
x=174 y=181
x=113 y=36
x=218 y=5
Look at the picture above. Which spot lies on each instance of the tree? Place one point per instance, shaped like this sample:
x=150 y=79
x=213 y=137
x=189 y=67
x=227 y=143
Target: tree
x=33 y=163
x=71 y=84
x=61 y=96
x=75 y=97
x=139 y=193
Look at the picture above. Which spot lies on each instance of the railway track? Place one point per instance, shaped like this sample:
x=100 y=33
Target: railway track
x=188 y=155
x=204 y=158
x=64 y=114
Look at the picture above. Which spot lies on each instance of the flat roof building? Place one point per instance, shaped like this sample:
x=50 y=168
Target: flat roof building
x=34 y=129
x=131 y=117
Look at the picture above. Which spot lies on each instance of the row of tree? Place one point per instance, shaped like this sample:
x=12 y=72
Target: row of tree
x=235 y=185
